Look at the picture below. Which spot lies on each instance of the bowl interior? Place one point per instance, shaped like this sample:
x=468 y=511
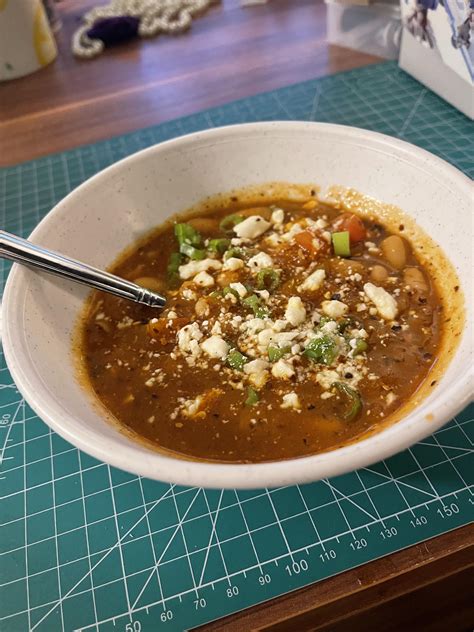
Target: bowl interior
x=106 y=214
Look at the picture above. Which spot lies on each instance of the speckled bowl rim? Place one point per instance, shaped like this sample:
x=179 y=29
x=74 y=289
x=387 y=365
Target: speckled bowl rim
x=160 y=466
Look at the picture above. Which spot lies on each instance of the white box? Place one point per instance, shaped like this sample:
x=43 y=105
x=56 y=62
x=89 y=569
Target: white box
x=374 y=28
x=438 y=49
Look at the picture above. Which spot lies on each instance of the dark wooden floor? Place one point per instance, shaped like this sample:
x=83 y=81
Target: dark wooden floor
x=230 y=52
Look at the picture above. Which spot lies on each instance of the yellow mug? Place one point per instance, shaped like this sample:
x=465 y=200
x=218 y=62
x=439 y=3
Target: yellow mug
x=26 y=41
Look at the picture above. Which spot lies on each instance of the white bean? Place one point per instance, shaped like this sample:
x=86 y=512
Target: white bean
x=394 y=250
x=379 y=274
x=415 y=279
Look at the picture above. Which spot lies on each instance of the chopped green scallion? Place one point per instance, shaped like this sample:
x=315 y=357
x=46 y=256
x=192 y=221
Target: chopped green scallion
x=276 y=353
x=175 y=260
x=218 y=245
x=229 y=290
x=354 y=400
x=268 y=279
x=193 y=253
x=228 y=223
x=187 y=234
x=341 y=243
x=360 y=347
x=322 y=350
x=237 y=253
x=255 y=304
x=236 y=360
x=344 y=324
x=252 y=397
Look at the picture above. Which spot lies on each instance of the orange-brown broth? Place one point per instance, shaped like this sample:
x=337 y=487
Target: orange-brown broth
x=120 y=360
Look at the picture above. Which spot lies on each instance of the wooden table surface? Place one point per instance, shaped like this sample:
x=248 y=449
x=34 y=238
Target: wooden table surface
x=233 y=52
x=230 y=52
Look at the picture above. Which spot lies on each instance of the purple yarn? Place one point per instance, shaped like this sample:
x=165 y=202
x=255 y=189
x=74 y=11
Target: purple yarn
x=115 y=30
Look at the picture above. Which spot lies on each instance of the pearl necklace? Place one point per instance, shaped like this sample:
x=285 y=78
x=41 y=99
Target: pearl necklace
x=156 y=16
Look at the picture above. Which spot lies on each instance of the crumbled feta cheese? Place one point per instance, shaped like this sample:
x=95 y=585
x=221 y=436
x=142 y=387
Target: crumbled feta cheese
x=255 y=366
x=188 y=337
x=390 y=398
x=295 y=311
x=273 y=240
x=326 y=395
x=282 y=370
x=321 y=223
x=259 y=261
x=384 y=302
x=239 y=288
x=266 y=336
x=278 y=216
x=334 y=309
x=191 y=406
x=254 y=325
x=294 y=230
x=313 y=282
x=280 y=324
x=203 y=279
x=192 y=268
x=326 y=378
x=216 y=328
x=329 y=327
x=256 y=370
x=233 y=263
x=252 y=227
x=290 y=400
x=215 y=347
x=188 y=294
x=265 y=294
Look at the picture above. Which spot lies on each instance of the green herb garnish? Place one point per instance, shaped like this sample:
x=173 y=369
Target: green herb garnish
x=344 y=324
x=193 y=253
x=175 y=260
x=218 y=246
x=236 y=360
x=268 y=279
x=354 y=400
x=237 y=253
x=187 y=234
x=252 y=397
x=228 y=223
x=322 y=350
x=360 y=347
x=255 y=304
x=276 y=353
x=230 y=290
x=341 y=244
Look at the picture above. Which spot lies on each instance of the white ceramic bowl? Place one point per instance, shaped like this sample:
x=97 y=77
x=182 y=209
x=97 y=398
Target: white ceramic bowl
x=101 y=217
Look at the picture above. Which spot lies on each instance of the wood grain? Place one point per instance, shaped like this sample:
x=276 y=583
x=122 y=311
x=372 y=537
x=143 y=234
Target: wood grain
x=428 y=587
x=230 y=52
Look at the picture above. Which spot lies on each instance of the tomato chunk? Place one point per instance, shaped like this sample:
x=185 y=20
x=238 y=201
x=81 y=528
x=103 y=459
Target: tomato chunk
x=305 y=240
x=353 y=224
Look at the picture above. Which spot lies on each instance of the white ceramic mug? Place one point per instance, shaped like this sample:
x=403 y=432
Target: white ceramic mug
x=26 y=41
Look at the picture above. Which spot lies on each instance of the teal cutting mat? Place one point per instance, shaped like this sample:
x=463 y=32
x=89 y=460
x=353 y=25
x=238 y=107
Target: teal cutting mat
x=85 y=546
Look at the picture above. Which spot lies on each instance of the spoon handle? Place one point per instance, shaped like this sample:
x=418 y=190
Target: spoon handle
x=24 y=252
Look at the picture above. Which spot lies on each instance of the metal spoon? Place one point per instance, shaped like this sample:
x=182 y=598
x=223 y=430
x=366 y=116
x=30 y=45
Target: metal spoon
x=22 y=251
